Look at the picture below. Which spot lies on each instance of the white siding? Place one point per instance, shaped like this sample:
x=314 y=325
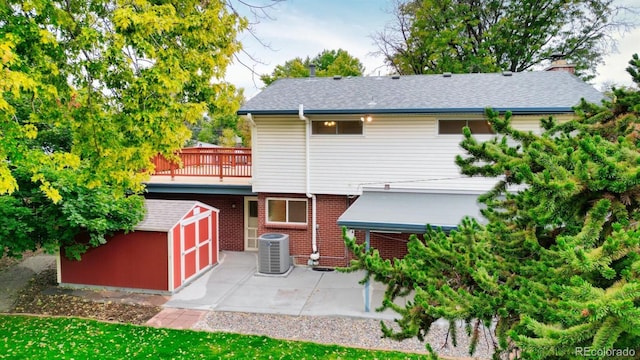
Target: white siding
x=279 y=155
x=404 y=152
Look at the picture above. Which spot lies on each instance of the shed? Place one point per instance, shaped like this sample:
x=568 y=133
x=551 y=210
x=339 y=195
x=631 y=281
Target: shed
x=176 y=242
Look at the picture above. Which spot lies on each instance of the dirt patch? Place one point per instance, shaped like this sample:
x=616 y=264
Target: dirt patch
x=42 y=296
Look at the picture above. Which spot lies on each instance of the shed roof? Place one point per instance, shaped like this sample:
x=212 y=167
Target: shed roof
x=162 y=215
x=523 y=92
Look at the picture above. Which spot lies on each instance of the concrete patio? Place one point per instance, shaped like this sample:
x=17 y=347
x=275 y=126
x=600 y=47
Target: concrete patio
x=235 y=285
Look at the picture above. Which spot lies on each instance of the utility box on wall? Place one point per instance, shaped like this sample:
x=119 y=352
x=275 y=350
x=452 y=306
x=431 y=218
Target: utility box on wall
x=273 y=253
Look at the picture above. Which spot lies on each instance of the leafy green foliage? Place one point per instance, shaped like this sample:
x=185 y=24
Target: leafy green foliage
x=91 y=91
x=461 y=36
x=557 y=265
x=64 y=338
x=328 y=63
x=223 y=129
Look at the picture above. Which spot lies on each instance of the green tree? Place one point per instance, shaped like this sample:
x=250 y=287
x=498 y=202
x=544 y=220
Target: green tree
x=557 y=266
x=328 y=63
x=91 y=91
x=462 y=36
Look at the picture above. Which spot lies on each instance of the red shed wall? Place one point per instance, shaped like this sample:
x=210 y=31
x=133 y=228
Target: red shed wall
x=137 y=260
x=231 y=216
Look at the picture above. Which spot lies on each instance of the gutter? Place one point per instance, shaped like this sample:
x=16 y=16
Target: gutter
x=419 y=111
x=315 y=255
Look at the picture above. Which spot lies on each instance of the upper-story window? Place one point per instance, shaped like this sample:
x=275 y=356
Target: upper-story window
x=477 y=127
x=286 y=211
x=336 y=127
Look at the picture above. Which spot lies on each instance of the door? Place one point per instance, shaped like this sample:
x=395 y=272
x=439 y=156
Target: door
x=250 y=223
x=196 y=244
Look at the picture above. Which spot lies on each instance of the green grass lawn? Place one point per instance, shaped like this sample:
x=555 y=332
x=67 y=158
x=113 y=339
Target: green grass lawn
x=25 y=337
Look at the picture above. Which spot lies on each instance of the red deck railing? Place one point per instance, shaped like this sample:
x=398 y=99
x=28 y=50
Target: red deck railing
x=220 y=162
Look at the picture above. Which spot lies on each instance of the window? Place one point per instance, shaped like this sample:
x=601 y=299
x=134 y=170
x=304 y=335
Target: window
x=339 y=127
x=287 y=211
x=446 y=127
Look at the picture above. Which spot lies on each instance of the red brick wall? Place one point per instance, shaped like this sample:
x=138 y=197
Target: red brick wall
x=231 y=220
x=329 y=234
x=390 y=245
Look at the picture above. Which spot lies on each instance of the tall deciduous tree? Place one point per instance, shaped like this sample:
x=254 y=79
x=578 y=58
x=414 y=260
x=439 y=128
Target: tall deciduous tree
x=556 y=270
x=461 y=36
x=91 y=91
x=328 y=63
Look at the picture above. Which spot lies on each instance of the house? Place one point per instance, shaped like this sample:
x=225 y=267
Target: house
x=376 y=154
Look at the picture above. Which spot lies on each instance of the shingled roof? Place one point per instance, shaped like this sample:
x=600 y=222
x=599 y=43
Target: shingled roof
x=162 y=215
x=524 y=92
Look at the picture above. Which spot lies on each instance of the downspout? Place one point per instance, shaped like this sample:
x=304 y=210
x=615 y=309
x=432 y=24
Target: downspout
x=250 y=118
x=315 y=255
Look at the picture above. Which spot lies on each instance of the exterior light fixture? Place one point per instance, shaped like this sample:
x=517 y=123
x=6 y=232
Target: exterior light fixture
x=329 y=123
x=367 y=118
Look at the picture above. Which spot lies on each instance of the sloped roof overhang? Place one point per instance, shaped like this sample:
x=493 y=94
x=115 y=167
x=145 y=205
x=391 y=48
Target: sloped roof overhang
x=409 y=211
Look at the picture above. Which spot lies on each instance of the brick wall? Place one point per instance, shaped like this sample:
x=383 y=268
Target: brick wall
x=390 y=245
x=329 y=234
x=231 y=217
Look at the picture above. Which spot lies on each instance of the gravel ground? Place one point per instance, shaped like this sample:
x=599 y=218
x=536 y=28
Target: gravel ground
x=354 y=332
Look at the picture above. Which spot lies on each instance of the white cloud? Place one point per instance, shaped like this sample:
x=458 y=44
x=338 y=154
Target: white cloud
x=613 y=70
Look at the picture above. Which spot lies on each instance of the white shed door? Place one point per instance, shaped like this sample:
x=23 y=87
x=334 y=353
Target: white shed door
x=195 y=245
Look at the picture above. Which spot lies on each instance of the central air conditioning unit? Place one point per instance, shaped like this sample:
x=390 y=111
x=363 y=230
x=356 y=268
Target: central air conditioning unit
x=273 y=253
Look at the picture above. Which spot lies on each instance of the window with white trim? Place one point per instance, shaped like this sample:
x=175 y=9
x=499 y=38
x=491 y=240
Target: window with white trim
x=337 y=127
x=286 y=211
x=454 y=127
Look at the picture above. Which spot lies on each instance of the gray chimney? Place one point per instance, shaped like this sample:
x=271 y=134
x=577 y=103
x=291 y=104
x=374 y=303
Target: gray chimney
x=312 y=70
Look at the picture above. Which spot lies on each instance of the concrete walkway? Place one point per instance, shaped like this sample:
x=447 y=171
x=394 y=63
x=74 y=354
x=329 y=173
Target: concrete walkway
x=15 y=278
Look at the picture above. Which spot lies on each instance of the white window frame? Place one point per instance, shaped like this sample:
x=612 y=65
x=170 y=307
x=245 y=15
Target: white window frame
x=287 y=200
x=467 y=124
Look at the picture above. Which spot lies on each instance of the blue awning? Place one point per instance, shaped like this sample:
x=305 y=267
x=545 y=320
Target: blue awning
x=409 y=211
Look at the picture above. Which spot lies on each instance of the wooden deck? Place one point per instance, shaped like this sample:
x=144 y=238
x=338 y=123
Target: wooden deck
x=205 y=166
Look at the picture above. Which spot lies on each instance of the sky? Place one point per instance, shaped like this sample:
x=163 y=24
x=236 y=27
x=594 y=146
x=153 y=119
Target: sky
x=301 y=28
